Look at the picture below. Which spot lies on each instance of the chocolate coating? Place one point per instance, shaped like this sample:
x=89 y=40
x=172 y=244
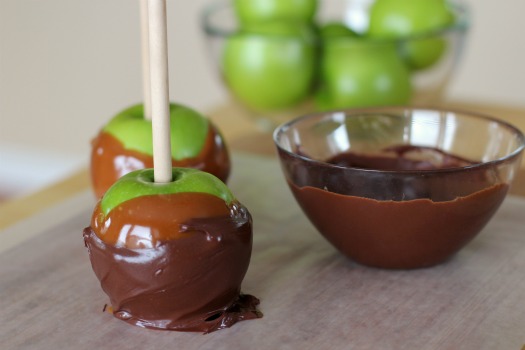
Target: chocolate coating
x=110 y=160
x=404 y=157
x=404 y=222
x=188 y=282
x=398 y=234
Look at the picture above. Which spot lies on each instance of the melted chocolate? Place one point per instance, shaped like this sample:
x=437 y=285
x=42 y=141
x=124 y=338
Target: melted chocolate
x=110 y=160
x=188 y=282
x=398 y=234
x=405 y=157
x=413 y=181
x=413 y=220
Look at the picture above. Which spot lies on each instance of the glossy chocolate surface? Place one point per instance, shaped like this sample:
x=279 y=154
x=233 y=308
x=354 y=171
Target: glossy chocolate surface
x=416 y=222
x=405 y=157
x=177 y=272
x=110 y=160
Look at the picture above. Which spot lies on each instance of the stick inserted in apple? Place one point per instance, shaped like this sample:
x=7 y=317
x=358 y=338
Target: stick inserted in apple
x=173 y=255
x=126 y=144
x=170 y=246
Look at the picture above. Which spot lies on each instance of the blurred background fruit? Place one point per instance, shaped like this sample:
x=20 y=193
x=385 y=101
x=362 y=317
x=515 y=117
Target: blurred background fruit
x=397 y=19
x=270 y=65
x=251 y=11
x=359 y=73
x=278 y=63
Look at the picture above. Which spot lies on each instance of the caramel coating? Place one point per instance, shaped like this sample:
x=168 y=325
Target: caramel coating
x=146 y=221
x=110 y=160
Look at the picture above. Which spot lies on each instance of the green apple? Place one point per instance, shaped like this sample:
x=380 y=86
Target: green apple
x=251 y=11
x=403 y=18
x=358 y=73
x=141 y=183
x=188 y=131
x=271 y=66
x=336 y=30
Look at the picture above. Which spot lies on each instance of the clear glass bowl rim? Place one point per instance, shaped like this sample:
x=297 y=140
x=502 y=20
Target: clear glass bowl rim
x=389 y=109
x=461 y=25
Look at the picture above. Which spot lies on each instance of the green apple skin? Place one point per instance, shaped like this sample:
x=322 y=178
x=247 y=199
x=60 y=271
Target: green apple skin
x=396 y=19
x=423 y=53
x=356 y=73
x=271 y=66
x=188 y=131
x=331 y=30
x=141 y=183
x=253 y=11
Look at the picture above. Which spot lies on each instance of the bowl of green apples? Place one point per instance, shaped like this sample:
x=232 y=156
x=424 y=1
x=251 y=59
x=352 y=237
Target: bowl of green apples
x=281 y=58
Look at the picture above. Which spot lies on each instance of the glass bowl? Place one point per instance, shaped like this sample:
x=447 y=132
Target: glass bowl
x=275 y=71
x=399 y=187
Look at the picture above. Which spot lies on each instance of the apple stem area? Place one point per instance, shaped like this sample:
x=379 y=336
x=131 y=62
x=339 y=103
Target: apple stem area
x=158 y=56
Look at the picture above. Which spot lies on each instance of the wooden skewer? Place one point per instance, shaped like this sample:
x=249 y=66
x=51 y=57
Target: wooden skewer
x=158 y=50
x=146 y=79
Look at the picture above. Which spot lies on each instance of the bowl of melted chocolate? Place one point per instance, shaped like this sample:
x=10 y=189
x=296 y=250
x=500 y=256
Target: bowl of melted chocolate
x=399 y=188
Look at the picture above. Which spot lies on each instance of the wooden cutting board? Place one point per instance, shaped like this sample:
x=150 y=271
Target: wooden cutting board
x=311 y=296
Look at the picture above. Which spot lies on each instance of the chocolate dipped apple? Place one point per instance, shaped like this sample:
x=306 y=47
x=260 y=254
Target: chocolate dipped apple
x=173 y=255
x=125 y=144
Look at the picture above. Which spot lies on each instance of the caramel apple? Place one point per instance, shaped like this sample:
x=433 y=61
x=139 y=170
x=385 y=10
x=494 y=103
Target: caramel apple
x=173 y=255
x=125 y=144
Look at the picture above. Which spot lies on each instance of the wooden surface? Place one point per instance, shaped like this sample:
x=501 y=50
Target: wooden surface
x=312 y=297
x=16 y=210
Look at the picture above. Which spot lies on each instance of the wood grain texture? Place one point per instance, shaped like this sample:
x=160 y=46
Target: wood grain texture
x=312 y=297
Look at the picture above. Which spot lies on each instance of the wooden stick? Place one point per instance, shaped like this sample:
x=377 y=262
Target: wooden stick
x=158 y=50
x=146 y=79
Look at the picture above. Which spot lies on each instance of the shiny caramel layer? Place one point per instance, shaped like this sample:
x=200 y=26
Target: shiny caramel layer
x=110 y=160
